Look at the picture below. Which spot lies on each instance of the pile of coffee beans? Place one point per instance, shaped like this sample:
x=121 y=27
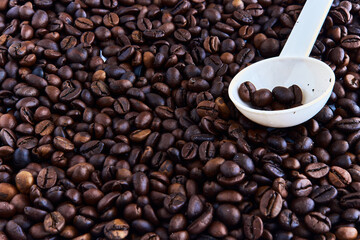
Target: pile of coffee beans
x=115 y=123
x=278 y=99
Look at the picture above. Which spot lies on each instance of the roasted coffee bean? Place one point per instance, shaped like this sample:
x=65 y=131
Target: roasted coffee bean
x=207 y=108
x=324 y=193
x=302 y=187
x=317 y=222
x=246 y=91
x=54 y=223
x=8 y=137
x=47 y=178
x=271 y=204
x=288 y=219
x=174 y=202
x=253 y=226
x=203 y=221
x=349 y=124
x=317 y=170
x=63 y=144
x=90 y=148
x=302 y=205
x=262 y=98
x=350 y=42
x=14 y=230
x=24 y=180
x=116 y=229
x=283 y=95
x=339 y=177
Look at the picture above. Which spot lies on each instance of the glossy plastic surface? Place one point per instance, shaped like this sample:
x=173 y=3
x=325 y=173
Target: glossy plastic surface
x=314 y=77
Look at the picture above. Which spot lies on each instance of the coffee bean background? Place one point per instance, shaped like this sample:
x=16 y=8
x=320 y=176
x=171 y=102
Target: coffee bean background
x=115 y=123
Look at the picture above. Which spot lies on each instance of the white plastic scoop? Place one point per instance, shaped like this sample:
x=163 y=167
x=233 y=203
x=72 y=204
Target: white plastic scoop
x=293 y=66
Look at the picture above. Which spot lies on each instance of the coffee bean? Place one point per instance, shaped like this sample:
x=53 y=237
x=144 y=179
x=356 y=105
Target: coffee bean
x=288 y=219
x=174 y=202
x=317 y=170
x=317 y=222
x=283 y=95
x=24 y=180
x=302 y=187
x=14 y=230
x=7 y=210
x=8 y=137
x=54 y=223
x=154 y=34
x=63 y=144
x=271 y=204
x=246 y=91
x=116 y=229
x=302 y=205
x=7 y=192
x=203 y=221
x=262 y=98
x=339 y=177
x=45 y=127
x=207 y=108
x=90 y=148
x=345 y=233
x=47 y=178
x=350 y=42
x=253 y=226
x=324 y=193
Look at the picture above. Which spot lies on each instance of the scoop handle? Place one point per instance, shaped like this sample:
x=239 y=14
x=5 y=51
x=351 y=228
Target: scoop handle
x=306 y=29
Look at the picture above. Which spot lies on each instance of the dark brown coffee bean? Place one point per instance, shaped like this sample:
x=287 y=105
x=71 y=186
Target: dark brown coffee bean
x=349 y=124
x=302 y=187
x=324 y=193
x=262 y=98
x=122 y=105
x=8 y=137
x=271 y=204
x=228 y=214
x=154 y=34
x=189 y=151
x=174 y=202
x=243 y=17
x=7 y=210
x=116 y=229
x=317 y=170
x=68 y=42
x=36 y=81
x=350 y=42
x=63 y=144
x=283 y=95
x=246 y=91
x=84 y=24
x=47 y=178
x=212 y=44
x=207 y=108
x=253 y=226
x=288 y=219
x=45 y=127
x=90 y=148
x=54 y=223
x=202 y=222
x=317 y=222
x=339 y=177
x=15 y=231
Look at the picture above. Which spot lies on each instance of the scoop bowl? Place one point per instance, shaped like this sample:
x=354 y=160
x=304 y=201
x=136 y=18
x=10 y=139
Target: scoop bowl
x=315 y=78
